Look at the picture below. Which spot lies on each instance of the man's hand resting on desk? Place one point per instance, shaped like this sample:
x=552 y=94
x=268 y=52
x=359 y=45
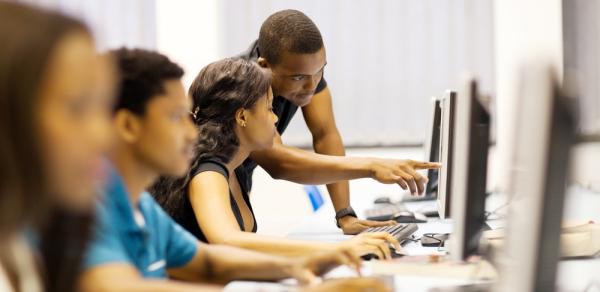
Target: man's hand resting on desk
x=351 y=225
x=401 y=172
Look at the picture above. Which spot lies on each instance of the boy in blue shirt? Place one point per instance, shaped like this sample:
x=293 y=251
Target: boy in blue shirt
x=137 y=246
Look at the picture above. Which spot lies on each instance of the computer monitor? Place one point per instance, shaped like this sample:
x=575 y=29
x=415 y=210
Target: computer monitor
x=432 y=153
x=446 y=153
x=432 y=147
x=545 y=131
x=469 y=171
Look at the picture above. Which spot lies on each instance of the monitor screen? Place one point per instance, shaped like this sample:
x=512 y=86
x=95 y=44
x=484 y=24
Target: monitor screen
x=469 y=173
x=432 y=147
x=446 y=151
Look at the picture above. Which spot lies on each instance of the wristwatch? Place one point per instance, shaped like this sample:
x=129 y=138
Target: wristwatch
x=343 y=213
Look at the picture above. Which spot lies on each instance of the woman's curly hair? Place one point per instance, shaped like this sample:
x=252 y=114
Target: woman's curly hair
x=218 y=92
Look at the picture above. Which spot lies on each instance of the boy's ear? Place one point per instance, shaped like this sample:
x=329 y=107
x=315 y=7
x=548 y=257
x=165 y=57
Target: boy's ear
x=128 y=126
x=262 y=62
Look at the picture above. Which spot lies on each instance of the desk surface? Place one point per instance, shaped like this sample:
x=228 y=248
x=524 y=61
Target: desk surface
x=573 y=275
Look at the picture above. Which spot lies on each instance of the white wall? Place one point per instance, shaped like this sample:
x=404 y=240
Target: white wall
x=581 y=25
x=114 y=23
x=187 y=32
x=386 y=58
x=524 y=30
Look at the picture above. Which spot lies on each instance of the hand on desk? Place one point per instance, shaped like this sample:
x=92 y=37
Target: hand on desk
x=402 y=172
x=307 y=269
x=350 y=285
x=351 y=225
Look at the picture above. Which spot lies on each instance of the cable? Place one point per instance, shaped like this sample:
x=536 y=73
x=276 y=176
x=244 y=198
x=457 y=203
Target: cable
x=495 y=211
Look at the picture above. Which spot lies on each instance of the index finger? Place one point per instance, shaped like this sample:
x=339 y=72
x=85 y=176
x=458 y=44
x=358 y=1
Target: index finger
x=305 y=277
x=354 y=260
x=427 y=165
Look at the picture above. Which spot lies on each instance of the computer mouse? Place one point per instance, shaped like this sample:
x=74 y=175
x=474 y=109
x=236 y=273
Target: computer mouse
x=432 y=213
x=369 y=256
x=383 y=200
x=372 y=256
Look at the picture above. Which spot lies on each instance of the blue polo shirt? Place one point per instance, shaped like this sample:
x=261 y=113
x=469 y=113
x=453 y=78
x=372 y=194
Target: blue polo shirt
x=152 y=246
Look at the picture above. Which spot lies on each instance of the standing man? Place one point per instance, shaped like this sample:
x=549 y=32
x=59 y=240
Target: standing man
x=291 y=46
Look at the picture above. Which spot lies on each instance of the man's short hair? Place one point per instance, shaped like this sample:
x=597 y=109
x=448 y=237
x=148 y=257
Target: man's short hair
x=288 y=30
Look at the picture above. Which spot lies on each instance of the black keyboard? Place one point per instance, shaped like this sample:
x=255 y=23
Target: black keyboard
x=396 y=212
x=428 y=197
x=402 y=232
x=385 y=212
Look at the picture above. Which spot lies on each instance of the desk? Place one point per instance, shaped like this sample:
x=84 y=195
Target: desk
x=573 y=275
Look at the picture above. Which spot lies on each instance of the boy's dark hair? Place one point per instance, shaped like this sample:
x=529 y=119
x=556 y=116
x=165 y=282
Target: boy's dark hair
x=142 y=74
x=288 y=30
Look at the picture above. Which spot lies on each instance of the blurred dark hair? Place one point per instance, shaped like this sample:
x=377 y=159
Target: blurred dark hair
x=218 y=92
x=142 y=74
x=288 y=30
x=29 y=38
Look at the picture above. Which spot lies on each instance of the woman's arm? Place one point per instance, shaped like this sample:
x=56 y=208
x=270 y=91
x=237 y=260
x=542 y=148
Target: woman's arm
x=209 y=197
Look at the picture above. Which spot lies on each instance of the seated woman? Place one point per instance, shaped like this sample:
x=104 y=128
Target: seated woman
x=233 y=111
x=55 y=97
